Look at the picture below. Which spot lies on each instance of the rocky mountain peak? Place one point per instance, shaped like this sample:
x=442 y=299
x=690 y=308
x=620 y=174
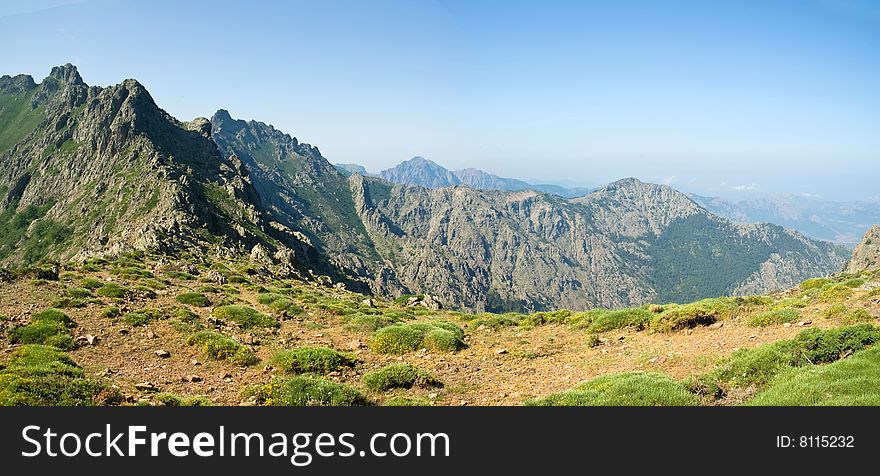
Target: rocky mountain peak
x=18 y=84
x=867 y=254
x=67 y=74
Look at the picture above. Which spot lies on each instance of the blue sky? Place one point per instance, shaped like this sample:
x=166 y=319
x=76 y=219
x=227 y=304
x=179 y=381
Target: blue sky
x=720 y=98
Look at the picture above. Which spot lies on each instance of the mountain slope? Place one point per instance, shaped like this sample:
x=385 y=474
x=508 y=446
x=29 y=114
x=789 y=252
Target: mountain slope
x=628 y=243
x=105 y=170
x=867 y=254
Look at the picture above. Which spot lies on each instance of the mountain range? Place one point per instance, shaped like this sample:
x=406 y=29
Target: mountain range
x=426 y=173
x=88 y=171
x=839 y=222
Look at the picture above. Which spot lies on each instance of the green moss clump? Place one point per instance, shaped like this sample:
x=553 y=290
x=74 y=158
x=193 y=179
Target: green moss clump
x=79 y=293
x=850 y=382
x=856 y=316
x=399 y=375
x=814 y=283
x=110 y=312
x=194 y=299
x=403 y=338
x=777 y=317
x=406 y=401
x=219 y=347
x=625 y=389
x=280 y=304
x=245 y=317
x=835 y=310
x=321 y=360
x=50 y=327
x=834 y=293
x=112 y=290
x=173 y=400
x=38 y=375
x=755 y=367
x=303 y=391
x=700 y=313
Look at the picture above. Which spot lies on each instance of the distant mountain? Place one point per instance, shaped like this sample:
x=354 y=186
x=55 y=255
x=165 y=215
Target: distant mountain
x=840 y=222
x=348 y=169
x=88 y=172
x=426 y=173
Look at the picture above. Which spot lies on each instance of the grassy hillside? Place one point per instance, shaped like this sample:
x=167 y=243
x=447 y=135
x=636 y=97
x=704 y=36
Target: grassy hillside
x=146 y=330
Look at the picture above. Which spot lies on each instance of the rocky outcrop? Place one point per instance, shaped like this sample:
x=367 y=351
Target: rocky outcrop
x=867 y=254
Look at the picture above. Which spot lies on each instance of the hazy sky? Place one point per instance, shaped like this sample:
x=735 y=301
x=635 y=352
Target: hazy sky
x=721 y=98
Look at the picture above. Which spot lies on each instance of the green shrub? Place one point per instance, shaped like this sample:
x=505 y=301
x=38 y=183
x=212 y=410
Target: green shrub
x=112 y=290
x=406 y=401
x=70 y=303
x=194 y=299
x=245 y=317
x=854 y=282
x=399 y=375
x=857 y=315
x=695 y=314
x=550 y=317
x=172 y=400
x=110 y=312
x=219 y=347
x=442 y=340
x=625 y=389
x=180 y=275
x=496 y=321
x=308 y=391
x=54 y=316
x=366 y=322
x=37 y=375
x=770 y=318
x=849 y=382
x=814 y=283
x=280 y=304
x=834 y=293
x=610 y=320
x=321 y=360
x=137 y=319
x=79 y=293
x=755 y=367
x=835 y=310
x=50 y=327
x=403 y=338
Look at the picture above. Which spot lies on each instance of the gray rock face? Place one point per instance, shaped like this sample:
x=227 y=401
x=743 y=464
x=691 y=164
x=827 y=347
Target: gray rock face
x=420 y=171
x=867 y=254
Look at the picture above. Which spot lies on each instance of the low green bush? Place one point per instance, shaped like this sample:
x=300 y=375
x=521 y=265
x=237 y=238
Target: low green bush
x=403 y=338
x=850 y=382
x=814 y=283
x=625 y=389
x=216 y=346
x=112 y=290
x=771 y=318
x=38 y=375
x=857 y=315
x=50 y=327
x=399 y=375
x=755 y=367
x=302 y=391
x=321 y=360
x=193 y=299
x=245 y=317
x=699 y=313
x=174 y=400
